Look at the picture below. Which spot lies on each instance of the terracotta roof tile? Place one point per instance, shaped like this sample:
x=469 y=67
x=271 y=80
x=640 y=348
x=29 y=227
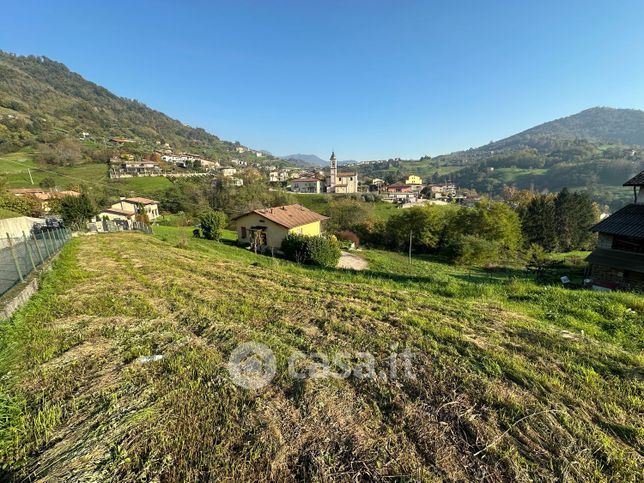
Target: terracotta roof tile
x=288 y=216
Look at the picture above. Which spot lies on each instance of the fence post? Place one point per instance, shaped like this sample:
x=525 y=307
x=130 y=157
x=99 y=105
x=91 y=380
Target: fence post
x=28 y=248
x=15 y=259
x=49 y=249
x=33 y=236
x=51 y=242
x=54 y=233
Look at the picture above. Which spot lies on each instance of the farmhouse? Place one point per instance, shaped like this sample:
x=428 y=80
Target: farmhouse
x=618 y=259
x=269 y=226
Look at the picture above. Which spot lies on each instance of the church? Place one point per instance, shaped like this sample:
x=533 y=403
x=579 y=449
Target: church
x=341 y=182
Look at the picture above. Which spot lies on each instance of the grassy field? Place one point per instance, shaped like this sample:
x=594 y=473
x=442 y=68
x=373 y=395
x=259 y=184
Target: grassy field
x=320 y=203
x=15 y=168
x=511 y=380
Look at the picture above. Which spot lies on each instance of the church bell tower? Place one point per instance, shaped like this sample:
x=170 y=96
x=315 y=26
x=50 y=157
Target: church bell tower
x=334 y=172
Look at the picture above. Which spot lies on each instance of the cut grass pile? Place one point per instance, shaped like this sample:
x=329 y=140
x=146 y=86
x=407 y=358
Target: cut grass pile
x=506 y=386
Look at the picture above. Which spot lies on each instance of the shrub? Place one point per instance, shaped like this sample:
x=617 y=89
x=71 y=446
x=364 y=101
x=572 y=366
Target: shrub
x=76 y=211
x=313 y=250
x=212 y=223
x=349 y=236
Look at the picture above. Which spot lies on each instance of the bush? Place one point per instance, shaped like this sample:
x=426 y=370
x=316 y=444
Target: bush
x=212 y=223
x=76 y=211
x=349 y=236
x=313 y=250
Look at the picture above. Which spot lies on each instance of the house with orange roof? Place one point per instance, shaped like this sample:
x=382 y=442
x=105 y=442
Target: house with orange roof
x=128 y=208
x=269 y=226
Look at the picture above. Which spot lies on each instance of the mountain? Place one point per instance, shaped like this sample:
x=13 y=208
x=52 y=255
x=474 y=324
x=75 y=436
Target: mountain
x=595 y=150
x=601 y=125
x=43 y=101
x=305 y=160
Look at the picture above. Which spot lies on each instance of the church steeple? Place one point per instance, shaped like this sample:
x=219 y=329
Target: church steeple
x=333 y=179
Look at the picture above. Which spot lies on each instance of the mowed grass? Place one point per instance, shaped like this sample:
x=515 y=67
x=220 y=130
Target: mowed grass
x=512 y=380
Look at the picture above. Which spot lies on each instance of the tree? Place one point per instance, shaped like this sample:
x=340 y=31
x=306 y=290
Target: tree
x=426 y=224
x=76 y=211
x=345 y=214
x=490 y=221
x=47 y=183
x=212 y=223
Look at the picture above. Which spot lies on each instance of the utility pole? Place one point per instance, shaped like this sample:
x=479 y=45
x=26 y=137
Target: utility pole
x=30 y=177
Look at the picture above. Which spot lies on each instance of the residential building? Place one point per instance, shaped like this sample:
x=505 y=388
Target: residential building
x=441 y=191
x=413 y=179
x=399 y=188
x=268 y=227
x=307 y=185
x=121 y=168
x=43 y=196
x=137 y=205
x=116 y=214
x=228 y=172
x=341 y=182
x=278 y=176
x=617 y=262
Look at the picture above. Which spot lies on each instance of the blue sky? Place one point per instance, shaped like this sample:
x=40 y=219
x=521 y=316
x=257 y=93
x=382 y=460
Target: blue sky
x=372 y=79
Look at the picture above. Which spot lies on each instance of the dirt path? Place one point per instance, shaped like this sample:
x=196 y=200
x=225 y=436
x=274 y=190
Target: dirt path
x=354 y=262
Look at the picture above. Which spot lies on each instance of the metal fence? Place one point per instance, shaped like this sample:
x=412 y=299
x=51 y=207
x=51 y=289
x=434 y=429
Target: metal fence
x=19 y=256
x=110 y=226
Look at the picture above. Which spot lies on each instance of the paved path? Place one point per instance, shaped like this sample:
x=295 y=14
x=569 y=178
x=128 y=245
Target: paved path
x=354 y=262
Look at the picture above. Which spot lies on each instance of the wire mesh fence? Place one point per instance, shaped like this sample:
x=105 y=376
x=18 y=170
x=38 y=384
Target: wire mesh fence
x=20 y=255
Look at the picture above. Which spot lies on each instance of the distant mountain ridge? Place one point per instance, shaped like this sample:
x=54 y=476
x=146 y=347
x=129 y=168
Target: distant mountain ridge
x=305 y=159
x=596 y=125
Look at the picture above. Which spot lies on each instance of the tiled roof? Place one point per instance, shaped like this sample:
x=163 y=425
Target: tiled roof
x=288 y=216
x=345 y=174
x=637 y=180
x=141 y=201
x=619 y=259
x=118 y=212
x=629 y=221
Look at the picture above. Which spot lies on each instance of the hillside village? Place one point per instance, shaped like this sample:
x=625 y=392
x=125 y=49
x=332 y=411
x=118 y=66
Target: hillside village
x=178 y=307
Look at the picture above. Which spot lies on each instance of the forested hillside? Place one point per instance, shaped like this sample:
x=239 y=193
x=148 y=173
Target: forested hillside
x=596 y=150
x=42 y=101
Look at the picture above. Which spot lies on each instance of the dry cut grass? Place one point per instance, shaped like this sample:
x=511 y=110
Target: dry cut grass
x=499 y=393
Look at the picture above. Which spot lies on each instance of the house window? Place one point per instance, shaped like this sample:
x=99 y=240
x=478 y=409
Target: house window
x=243 y=232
